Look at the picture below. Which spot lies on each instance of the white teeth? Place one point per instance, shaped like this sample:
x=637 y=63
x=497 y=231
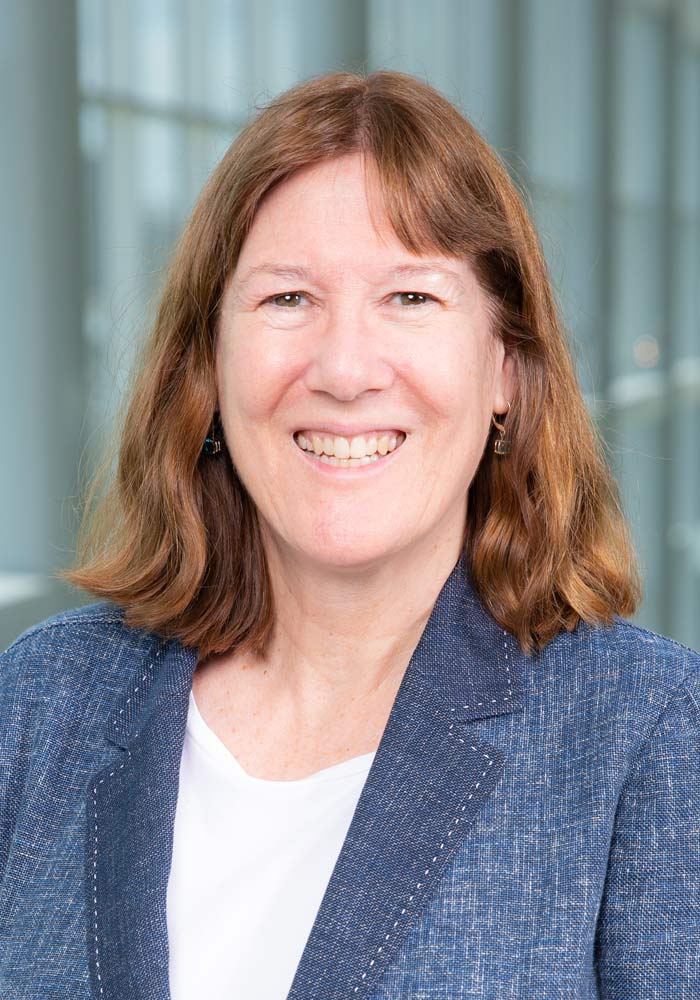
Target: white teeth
x=349 y=451
x=348 y=462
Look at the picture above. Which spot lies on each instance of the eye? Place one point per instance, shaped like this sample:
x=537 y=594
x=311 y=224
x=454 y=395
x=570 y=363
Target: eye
x=415 y=297
x=287 y=298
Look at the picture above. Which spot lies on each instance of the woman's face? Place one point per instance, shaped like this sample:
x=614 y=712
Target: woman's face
x=332 y=328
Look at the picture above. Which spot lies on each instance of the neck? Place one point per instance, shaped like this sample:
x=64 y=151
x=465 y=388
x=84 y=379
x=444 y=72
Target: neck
x=345 y=635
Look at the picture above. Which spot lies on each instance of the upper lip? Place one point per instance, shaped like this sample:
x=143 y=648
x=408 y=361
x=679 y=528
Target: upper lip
x=348 y=430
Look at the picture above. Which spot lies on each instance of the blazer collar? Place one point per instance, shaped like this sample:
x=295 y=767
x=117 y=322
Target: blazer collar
x=428 y=782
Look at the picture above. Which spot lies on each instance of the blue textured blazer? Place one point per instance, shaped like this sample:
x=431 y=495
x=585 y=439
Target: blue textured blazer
x=529 y=828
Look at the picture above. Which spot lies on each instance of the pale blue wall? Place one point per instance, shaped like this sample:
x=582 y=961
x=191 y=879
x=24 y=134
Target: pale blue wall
x=594 y=105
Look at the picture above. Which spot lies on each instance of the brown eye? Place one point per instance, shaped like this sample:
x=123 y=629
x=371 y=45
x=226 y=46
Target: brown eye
x=414 y=298
x=285 y=299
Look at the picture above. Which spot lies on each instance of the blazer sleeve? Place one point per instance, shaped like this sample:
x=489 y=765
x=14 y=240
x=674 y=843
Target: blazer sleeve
x=18 y=698
x=648 y=930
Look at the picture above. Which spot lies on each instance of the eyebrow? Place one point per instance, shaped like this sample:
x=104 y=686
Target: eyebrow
x=293 y=272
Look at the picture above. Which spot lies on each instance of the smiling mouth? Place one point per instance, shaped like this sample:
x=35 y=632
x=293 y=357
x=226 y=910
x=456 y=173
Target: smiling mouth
x=348 y=452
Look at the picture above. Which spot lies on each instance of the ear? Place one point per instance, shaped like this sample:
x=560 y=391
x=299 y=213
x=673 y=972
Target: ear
x=504 y=385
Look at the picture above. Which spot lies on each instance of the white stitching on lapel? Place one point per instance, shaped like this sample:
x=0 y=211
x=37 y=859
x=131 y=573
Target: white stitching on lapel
x=427 y=870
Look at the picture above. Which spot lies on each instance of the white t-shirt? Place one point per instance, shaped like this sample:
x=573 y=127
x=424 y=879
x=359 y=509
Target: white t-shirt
x=251 y=862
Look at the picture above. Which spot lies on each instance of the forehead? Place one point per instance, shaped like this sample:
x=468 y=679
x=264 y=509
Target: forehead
x=329 y=187
x=331 y=216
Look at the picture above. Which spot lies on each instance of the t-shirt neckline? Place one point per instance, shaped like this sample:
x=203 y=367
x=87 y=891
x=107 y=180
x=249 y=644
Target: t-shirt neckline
x=207 y=739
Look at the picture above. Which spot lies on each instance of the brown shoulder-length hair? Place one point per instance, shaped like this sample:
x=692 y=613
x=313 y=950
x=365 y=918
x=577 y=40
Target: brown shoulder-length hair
x=175 y=538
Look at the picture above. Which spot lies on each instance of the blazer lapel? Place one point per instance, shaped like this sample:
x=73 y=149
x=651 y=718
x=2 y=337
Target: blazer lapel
x=131 y=816
x=428 y=782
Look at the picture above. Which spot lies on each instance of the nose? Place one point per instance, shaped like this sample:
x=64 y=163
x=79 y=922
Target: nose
x=348 y=354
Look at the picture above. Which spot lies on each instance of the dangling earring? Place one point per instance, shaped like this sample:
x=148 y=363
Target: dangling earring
x=212 y=444
x=501 y=445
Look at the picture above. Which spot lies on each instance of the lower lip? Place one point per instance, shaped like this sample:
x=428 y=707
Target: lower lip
x=350 y=472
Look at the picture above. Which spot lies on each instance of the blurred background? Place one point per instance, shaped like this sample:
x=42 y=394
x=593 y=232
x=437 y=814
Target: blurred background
x=115 y=111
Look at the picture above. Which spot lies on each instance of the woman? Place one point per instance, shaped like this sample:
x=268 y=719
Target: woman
x=358 y=712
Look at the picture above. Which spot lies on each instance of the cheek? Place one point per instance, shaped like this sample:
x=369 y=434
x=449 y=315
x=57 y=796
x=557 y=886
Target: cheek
x=456 y=388
x=453 y=380
x=249 y=379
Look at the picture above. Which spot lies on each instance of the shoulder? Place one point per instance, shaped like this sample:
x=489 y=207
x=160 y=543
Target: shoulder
x=89 y=624
x=89 y=618
x=626 y=652
x=620 y=677
x=80 y=648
